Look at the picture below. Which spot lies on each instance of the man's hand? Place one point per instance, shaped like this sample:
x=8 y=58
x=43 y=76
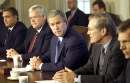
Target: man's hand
x=64 y=76
x=35 y=62
x=11 y=53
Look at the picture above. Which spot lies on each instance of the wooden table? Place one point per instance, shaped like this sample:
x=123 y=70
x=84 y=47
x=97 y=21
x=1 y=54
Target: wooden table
x=33 y=76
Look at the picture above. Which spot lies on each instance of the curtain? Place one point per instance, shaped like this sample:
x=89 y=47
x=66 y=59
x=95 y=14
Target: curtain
x=61 y=5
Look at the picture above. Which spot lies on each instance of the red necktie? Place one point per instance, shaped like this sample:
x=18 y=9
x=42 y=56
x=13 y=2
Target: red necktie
x=32 y=43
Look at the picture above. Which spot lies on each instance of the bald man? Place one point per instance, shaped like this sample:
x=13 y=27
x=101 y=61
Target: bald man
x=75 y=16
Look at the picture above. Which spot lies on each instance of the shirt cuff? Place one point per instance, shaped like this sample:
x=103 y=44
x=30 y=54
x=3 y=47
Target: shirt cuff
x=40 y=66
x=77 y=79
x=20 y=57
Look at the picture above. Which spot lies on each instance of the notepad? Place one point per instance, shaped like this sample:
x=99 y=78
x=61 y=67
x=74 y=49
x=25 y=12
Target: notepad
x=2 y=60
x=47 y=81
x=19 y=69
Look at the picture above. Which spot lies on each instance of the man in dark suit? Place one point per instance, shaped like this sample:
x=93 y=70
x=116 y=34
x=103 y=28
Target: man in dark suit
x=68 y=48
x=99 y=7
x=106 y=61
x=124 y=39
x=13 y=35
x=75 y=16
x=2 y=25
x=38 y=37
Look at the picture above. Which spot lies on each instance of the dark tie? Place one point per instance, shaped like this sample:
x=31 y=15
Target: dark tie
x=101 y=61
x=7 y=37
x=57 y=50
x=32 y=43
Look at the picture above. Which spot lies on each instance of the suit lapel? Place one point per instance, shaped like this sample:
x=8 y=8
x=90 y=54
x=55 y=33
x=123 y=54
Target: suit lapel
x=108 y=55
x=55 y=39
x=38 y=42
x=9 y=36
x=28 y=38
x=53 y=48
x=40 y=37
x=97 y=56
x=107 y=59
x=62 y=43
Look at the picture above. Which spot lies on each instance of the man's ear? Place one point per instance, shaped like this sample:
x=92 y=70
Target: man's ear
x=104 y=31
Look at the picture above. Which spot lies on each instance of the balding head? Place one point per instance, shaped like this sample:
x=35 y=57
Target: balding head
x=72 y=4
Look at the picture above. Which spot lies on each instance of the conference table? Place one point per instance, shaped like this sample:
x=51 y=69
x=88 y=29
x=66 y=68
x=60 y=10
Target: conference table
x=5 y=68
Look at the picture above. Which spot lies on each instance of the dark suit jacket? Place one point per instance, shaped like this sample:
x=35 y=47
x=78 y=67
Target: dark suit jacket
x=122 y=77
x=41 y=45
x=72 y=54
x=125 y=75
x=14 y=40
x=2 y=25
x=127 y=72
x=79 y=18
x=114 y=62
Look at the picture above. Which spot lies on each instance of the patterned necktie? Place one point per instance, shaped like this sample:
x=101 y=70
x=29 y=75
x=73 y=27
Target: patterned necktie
x=57 y=50
x=101 y=61
x=32 y=43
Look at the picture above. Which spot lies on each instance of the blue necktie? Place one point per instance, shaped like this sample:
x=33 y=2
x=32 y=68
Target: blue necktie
x=57 y=50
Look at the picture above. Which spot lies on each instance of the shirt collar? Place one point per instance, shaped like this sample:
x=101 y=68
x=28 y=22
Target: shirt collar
x=39 y=30
x=73 y=11
x=105 y=46
x=10 y=28
x=60 y=38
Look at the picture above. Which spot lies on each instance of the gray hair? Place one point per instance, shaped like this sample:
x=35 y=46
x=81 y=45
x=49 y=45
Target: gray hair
x=104 y=21
x=54 y=13
x=41 y=9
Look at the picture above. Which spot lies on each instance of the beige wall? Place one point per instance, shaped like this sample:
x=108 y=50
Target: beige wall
x=23 y=6
x=7 y=3
x=119 y=7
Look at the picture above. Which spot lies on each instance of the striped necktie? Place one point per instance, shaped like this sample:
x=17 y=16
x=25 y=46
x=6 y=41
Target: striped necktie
x=101 y=61
x=32 y=43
